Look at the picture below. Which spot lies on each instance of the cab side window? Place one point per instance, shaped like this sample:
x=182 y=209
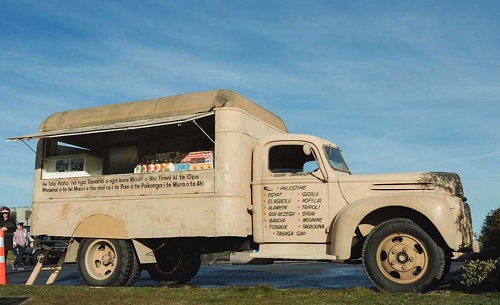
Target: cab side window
x=288 y=159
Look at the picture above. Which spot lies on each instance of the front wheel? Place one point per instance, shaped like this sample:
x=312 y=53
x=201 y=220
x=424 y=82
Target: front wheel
x=398 y=256
x=175 y=268
x=446 y=268
x=107 y=262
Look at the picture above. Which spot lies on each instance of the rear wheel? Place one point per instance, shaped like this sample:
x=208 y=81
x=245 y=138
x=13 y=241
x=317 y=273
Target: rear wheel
x=107 y=262
x=398 y=256
x=175 y=268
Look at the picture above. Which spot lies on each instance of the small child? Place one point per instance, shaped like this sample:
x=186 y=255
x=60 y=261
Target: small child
x=20 y=241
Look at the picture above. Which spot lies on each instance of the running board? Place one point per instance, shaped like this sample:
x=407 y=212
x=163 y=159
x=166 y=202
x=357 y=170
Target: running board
x=294 y=252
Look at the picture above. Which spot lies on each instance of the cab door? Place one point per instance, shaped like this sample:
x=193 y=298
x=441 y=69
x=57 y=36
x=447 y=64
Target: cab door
x=291 y=196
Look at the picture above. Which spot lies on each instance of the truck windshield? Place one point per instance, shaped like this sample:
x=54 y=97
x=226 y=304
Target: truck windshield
x=335 y=158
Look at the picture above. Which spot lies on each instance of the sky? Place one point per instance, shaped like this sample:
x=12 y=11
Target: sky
x=400 y=86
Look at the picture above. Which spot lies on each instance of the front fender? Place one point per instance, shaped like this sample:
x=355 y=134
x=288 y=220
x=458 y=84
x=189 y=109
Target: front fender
x=435 y=208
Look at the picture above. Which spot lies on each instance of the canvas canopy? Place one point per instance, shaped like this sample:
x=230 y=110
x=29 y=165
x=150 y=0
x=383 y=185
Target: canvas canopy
x=147 y=113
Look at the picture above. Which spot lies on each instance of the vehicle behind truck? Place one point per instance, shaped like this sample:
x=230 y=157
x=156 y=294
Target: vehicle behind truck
x=154 y=184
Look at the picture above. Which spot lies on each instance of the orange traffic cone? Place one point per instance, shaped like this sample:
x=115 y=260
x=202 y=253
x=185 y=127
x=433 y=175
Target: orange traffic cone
x=3 y=279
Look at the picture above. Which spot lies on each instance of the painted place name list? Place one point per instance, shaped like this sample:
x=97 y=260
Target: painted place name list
x=138 y=184
x=295 y=210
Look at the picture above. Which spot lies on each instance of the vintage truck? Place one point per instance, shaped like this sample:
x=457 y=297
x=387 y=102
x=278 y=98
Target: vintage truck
x=153 y=184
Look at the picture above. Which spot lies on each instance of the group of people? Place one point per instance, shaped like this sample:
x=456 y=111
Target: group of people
x=15 y=237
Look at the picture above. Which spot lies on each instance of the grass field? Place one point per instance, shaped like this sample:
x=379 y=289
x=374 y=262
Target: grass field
x=15 y=294
x=81 y=295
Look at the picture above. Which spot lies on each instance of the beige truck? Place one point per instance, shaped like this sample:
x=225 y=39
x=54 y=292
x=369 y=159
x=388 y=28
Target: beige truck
x=153 y=184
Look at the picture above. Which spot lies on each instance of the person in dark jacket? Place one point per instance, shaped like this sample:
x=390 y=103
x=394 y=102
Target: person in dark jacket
x=8 y=226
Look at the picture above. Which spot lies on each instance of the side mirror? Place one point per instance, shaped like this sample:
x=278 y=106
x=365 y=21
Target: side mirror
x=307 y=149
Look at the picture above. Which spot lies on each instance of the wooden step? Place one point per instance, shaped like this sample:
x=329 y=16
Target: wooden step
x=39 y=267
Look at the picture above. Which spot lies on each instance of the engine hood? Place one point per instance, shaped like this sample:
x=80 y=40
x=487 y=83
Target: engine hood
x=355 y=187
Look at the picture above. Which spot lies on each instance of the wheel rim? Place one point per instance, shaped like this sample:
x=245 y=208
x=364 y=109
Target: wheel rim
x=100 y=259
x=402 y=258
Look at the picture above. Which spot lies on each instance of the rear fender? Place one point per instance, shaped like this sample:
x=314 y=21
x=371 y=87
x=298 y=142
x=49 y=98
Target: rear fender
x=101 y=226
x=95 y=226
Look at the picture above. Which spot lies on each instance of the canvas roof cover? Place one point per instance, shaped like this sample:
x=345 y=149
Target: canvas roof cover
x=147 y=113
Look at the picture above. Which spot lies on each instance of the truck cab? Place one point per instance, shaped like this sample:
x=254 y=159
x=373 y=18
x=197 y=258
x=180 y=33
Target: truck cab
x=296 y=194
x=307 y=205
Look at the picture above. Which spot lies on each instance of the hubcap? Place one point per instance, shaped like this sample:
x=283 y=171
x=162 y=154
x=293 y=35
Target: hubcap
x=100 y=259
x=402 y=258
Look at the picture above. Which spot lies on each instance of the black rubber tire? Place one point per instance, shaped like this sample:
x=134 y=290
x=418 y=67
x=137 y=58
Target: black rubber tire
x=172 y=269
x=135 y=273
x=446 y=269
x=417 y=268
x=446 y=265
x=118 y=254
